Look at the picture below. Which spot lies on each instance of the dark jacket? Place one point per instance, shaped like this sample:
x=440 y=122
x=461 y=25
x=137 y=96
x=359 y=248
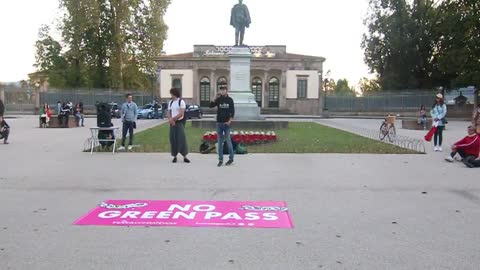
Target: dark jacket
x=226 y=108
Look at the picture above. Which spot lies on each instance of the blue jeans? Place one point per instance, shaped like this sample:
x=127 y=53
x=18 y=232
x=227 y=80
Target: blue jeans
x=223 y=131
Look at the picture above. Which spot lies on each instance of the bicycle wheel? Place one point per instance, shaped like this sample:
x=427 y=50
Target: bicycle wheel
x=392 y=133
x=383 y=131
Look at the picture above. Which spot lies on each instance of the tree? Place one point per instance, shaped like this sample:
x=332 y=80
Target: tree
x=458 y=45
x=111 y=43
x=49 y=59
x=343 y=89
x=369 y=85
x=400 y=43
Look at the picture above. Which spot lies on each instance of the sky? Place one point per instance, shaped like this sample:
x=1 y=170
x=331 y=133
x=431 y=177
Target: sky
x=329 y=28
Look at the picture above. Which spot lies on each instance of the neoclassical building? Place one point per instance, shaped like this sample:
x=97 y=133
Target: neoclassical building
x=279 y=80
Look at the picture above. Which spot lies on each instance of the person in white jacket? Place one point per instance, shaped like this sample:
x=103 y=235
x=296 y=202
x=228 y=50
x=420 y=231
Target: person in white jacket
x=439 y=112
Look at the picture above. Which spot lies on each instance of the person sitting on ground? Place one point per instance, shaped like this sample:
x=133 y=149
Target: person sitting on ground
x=4 y=130
x=467 y=147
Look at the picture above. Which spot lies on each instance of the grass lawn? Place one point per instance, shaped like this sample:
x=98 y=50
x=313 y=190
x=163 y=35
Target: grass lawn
x=298 y=138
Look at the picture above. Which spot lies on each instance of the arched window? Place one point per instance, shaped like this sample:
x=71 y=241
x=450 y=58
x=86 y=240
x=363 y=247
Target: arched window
x=257 y=90
x=205 y=88
x=222 y=81
x=274 y=93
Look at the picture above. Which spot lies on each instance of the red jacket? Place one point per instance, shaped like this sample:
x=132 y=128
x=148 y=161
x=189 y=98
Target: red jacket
x=470 y=144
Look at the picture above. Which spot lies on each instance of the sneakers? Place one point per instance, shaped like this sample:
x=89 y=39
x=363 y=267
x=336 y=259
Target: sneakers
x=186 y=160
x=230 y=162
x=440 y=149
x=220 y=163
x=121 y=148
x=130 y=147
x=435 y=149
x=449 y=159
x=174 y=160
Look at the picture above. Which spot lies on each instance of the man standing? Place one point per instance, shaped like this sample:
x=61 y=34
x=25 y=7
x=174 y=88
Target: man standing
x=240 y=19
x=129 y=120
x=225 y=114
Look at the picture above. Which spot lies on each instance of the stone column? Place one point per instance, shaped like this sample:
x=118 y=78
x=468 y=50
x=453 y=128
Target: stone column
x=321 y=95
x=2 y=95
x=283 y=90
x=196 y=86
x=213 y=85
x=266 y=96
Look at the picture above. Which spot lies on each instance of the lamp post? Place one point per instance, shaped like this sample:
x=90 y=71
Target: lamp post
x=325 y=84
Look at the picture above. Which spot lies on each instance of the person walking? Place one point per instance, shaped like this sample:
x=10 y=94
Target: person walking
x=177 y=120
x=129 y=119
x=225 y=113
x=438 y=113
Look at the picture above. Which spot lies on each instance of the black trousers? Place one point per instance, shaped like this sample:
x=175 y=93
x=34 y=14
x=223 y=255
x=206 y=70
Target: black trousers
x=178 y=140
x=460 y=152
x=438 y=138
x=127 y=127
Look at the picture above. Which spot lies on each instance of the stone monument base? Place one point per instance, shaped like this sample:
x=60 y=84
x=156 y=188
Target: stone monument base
x=246 y=108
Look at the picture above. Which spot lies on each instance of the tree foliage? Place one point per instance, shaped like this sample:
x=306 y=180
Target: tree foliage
x=106 y=43
x=423 y=44
x=342 y=88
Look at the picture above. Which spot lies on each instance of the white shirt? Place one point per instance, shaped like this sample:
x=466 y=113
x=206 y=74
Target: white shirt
x=174 y=107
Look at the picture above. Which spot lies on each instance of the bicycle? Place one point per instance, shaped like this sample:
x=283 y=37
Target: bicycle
x=387 y=129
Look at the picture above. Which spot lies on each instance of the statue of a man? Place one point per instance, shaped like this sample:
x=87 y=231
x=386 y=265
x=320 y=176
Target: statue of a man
x=240 y=19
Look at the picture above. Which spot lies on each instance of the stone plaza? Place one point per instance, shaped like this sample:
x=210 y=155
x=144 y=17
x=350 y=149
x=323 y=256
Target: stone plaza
x=349 y=211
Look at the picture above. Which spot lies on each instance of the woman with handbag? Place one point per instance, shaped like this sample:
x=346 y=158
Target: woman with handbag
x=439 y=112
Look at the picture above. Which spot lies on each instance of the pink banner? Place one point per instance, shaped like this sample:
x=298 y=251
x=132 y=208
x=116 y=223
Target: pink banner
x=189 y=214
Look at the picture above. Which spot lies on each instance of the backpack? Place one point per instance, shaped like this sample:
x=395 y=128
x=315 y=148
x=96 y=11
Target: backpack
x=184 y=119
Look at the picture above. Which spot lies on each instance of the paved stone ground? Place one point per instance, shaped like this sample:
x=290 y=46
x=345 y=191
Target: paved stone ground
x=350 y=211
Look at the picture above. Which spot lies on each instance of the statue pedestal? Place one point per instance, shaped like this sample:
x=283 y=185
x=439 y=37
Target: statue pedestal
x=246 y=108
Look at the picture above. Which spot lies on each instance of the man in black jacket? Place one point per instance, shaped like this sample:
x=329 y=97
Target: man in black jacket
x=225 y=114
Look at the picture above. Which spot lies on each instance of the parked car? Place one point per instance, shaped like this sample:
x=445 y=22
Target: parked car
x=148 y=112
x=115 y=110
x=194 y=111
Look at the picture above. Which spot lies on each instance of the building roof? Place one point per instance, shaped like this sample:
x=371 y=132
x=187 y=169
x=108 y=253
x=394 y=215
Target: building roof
x=212 y=52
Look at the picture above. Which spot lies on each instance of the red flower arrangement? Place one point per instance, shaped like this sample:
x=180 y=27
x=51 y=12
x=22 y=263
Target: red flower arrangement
x=249 y=137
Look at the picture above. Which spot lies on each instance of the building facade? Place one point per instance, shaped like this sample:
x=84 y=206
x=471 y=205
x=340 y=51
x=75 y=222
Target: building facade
x=279 y=80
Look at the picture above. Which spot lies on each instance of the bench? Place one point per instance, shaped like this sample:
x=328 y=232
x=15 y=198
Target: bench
x=413 y=124
x=54 y=123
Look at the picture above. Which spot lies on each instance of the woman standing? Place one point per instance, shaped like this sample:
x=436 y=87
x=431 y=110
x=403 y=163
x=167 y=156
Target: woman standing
x=45 y=116
x=439 y=112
